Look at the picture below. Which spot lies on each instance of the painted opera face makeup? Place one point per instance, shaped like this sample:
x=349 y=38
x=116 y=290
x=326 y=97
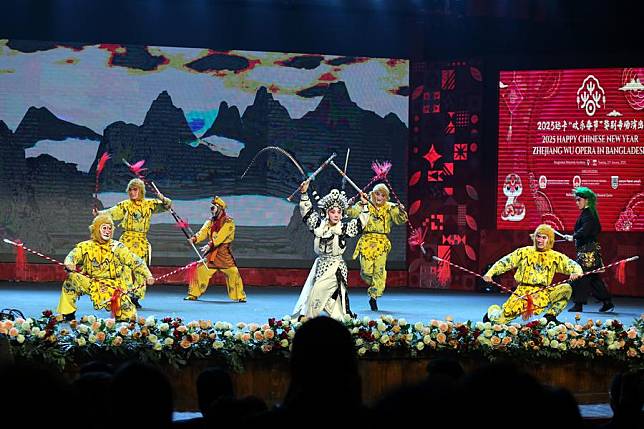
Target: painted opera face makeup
x=542 y=242
x=106 y=231
x=214 y=209
x=334 y=214
x=379 y=198
x=134 y=192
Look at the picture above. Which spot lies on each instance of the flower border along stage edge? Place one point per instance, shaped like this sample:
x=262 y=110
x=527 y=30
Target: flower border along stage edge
x=176 y=342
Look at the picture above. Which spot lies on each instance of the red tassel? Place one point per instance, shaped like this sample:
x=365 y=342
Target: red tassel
x=529 y=308
x=620 y=273
x=417 y=237
x=191 y=275
x=182 y=223
x=21 y=261
x=381 y=169
x=115 y=303
x=101 y=163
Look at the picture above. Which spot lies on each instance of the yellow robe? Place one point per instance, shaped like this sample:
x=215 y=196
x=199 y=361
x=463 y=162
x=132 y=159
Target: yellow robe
x=219 y=259
x=135 y=217
x=534 y=272
x=107 y=265
x=374 y=245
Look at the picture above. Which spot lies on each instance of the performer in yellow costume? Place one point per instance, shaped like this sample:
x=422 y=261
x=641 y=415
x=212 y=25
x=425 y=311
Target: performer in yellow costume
x=536 y=266
x=220 y=231
x=374 y=245
x=102 y=262
x=135 y=215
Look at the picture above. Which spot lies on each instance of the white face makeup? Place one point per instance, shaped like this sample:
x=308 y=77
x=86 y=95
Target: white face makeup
x=214 y=209
x=334 y=215
x=106 y=231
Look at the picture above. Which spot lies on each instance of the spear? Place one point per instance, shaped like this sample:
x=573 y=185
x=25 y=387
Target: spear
x=350 y=182
x=114 y=304
x=182 y=224
x=315 y=173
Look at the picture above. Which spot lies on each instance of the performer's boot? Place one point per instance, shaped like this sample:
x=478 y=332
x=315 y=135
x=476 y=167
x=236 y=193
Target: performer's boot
x=577 y=308
x=486 y=318
x=552 y=318
x=135 y=301
x=373 y=304
x=69 y=316
x=607 y=306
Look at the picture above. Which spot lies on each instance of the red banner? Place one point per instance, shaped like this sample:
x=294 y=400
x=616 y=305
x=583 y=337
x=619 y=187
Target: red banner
x=560 y=129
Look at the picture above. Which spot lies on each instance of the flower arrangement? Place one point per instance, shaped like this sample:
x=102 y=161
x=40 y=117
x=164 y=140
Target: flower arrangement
x=172 y=341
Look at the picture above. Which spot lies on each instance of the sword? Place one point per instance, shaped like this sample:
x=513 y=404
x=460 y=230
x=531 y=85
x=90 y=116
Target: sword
x=315 y=173
x=346 y=166
x=351 y=182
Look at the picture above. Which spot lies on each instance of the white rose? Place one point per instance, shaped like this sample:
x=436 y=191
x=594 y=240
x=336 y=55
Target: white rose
x=286 y=323
x=219 y=325
x=228 y=334
x=382 y=327
x=20 y=338
x=355 y=330
x=164 y=327
x=375 y=348
x=420 y=345
x=92 y=338
x=152 y=338
x=157 y=346
x=402 y=322
x=376 y=334
x=168 y=341
x=554 y=344
x=91 y=319
x=427 y=339
x=41 y=334
x=35 y=330
x=26 y=326
x=384 y=338
x=150 y=321
x=291 y=334
x=217 y=345
x=419 y=326
x=284 y=343
x=362 y=351
x=286 y=318
x=81 y=341
x=359 y=342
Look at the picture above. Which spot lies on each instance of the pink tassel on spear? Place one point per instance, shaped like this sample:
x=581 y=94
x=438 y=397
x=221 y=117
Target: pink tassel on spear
x=381 y=169
x=137 y=168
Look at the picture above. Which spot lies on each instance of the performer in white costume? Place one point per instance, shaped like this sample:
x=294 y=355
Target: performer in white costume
x=326 y=286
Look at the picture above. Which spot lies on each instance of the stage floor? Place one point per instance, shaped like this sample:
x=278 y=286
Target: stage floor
x=265 y=302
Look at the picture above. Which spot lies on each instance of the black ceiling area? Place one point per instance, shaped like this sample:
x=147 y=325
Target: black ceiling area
x=599 y=32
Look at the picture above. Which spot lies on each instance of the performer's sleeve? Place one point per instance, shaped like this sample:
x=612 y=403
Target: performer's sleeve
x=227 y=229
x=310 y=217
x=204 y=232
x=161 y=206
x=136 y=264
x=74 y=256
x=398 y=215
x=587 y=228
x=505 y=264
x=355 y=226
x=354 y=211
x=565 y=265
x=117 y=212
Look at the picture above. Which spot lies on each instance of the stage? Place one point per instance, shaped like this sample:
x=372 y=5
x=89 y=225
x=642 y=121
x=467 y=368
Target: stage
x=263 y=303
x=588 y=379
